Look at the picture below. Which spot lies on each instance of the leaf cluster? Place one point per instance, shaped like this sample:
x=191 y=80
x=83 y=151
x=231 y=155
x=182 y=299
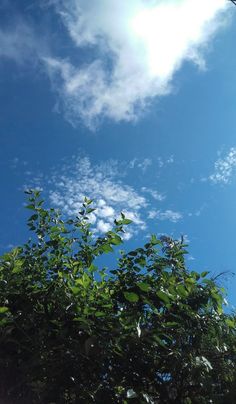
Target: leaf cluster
x=147 y=330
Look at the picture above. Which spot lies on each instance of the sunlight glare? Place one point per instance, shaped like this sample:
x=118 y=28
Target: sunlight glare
x=170 y=29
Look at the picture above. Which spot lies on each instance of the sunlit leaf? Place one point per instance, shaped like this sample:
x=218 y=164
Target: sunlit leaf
x=131 y=297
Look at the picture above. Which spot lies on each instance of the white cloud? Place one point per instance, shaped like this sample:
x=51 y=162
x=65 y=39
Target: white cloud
x=156 y=195
x=224 y=168
x=168 y=214
x=106 y=211
x=110 y=195
x=136 y=45
x=109 y=188
x=103 y=227
x=142 y=164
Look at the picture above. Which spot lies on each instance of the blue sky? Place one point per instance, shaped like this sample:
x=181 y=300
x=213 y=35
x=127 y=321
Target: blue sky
x=131 y=104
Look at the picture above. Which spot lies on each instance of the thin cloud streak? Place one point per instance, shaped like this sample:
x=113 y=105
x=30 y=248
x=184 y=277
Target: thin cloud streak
x=168 y=214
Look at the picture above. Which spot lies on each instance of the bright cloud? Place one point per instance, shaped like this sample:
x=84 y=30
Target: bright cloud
x=224 y=168
x=155 y=194
x=137 y=46
x=104 y=186
x=168 y=214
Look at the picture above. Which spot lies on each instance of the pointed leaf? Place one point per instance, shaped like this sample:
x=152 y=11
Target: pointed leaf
x=131 y=297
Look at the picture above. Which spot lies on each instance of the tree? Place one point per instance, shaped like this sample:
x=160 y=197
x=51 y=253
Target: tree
x=145 y=331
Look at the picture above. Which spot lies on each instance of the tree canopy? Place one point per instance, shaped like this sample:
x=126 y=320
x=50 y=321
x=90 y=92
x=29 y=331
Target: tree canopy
x=147 y=330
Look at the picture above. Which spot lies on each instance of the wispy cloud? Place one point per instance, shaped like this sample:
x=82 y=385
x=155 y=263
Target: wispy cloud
x=224 y=168
x=21 y=40
x=134 y=49
x=155 y=194
x=168 y=214
x=142 y=164
x=17 y=43
x=198 y=212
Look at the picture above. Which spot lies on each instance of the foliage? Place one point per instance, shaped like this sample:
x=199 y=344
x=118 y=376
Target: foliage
x=146 y=331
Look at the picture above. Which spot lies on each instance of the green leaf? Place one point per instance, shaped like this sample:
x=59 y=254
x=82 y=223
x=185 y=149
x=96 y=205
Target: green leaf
x=195 y=275
x=88 y=201
x=208 y=282
x=131 y=297
x=133 y=253
x=106 y=248
x=123 y=220
x=75 y=290
x=145 y=287
x=32 y=207
x=90 y=210
x=54 y=229
x=163 y=296
x=3 y=309
x=127 y=221
x=205 y=273
x=92 y=268
x=159 y=341
x=33 y=217
x=154 y=240
x=230 y=322
x=17 y=267
x=141 y=261
x=116 y=240
x=180 y=289
x=171 y=324
x=100 y=314
x=85 y=281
